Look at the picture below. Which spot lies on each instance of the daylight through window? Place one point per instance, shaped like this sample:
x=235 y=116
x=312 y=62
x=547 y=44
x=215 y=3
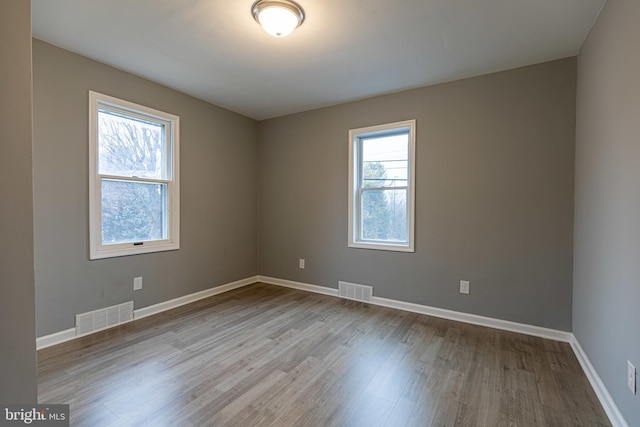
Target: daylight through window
x=381 y=196
x=134 y=192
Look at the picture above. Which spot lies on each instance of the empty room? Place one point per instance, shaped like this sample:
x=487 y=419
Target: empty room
x=320 y=213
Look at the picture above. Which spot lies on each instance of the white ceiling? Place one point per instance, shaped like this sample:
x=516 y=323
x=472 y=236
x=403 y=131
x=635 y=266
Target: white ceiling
x=345 y=50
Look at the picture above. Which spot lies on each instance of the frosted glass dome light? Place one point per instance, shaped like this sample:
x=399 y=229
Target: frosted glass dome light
x=278 y=17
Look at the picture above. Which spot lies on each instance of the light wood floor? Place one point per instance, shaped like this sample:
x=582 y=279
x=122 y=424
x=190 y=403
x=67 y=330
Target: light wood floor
x=269 y=356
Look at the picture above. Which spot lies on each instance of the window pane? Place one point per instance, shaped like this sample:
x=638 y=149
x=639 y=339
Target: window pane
x=128 y=146
x=385 y=161
x=133 y=211
x=384 y=215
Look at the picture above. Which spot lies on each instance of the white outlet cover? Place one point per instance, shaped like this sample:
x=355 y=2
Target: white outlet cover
x=301 y=263
x=464 y=287
x=137 y=283
x=631 y=377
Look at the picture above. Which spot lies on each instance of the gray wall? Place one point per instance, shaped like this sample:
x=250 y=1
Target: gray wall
x=218 y=194
x=495 y=170
x=17 y=312
x=606 y=296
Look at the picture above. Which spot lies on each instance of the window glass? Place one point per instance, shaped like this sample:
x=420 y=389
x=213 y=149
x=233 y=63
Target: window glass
x=128 y=146
x=133 y=211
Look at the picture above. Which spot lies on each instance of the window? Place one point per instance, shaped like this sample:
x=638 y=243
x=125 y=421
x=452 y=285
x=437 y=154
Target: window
x=382 y=187
x=134 y=199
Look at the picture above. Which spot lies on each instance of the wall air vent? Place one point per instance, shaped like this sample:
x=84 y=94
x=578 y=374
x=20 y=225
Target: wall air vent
x=355 y=292
x=103 y=318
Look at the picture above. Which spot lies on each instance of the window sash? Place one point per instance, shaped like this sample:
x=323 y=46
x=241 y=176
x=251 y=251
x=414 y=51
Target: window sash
x=167 y=143
x=360 y=220
x=165 y=212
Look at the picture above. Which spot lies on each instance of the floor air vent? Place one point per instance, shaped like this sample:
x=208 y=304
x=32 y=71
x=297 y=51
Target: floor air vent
x=355 y=292
x=104 y=318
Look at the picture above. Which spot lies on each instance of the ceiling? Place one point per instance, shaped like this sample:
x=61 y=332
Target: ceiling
x=345 y=49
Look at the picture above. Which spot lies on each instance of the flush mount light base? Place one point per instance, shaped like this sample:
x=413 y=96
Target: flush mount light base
x=278 y=17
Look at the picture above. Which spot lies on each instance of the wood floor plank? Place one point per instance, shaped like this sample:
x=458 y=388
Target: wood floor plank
x=264 y=355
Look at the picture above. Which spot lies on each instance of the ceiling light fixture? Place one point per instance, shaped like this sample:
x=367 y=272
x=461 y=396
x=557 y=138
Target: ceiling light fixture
x=278 y=17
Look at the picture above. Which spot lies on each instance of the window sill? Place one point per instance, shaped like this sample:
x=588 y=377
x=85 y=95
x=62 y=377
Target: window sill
x=127 y=250
x=382 y=246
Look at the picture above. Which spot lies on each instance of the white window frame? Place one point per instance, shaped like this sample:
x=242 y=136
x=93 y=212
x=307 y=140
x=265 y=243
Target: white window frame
x=355 y=162
x=98 y=250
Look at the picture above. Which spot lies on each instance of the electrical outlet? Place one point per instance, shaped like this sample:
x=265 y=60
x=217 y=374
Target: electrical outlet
x=301 y=263
x=464 y=287
x=631 y=377
x=137 y=283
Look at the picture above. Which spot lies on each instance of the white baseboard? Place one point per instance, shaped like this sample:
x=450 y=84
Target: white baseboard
x=70 y=334
x=474 y=319
x=298 y=285
x=177 y=302
x=607 y=402
x=55 y=338
x=62 y=336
